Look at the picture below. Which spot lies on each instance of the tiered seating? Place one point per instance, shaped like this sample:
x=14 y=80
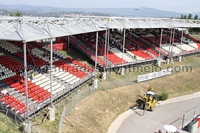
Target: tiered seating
x=11 y=64
x=45 y=55
x=79 y=64
x=141 y=53
x=87 y=51
x=58 y=46
x=13 y=103
x=44 y=82
x=31 y=58
x=126 y=57
x=175 y=50
x=35 y=92
x=70 y=69
x=5 y=72
x=90 y=40
x=194 y=40
x=9 y=47
x=138 y=51
x=115 y=59
x=186 y=47
x=64 y=76
x=38 y=44
x=198 y=45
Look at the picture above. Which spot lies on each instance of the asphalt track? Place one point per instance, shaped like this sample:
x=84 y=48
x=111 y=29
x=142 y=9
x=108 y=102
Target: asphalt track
x=168 y=112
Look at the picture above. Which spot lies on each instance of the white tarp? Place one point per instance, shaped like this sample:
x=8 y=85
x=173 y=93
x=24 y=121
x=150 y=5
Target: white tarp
x=33 y=28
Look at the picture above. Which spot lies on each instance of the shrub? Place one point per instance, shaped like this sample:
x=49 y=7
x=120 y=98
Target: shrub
x=163 y=96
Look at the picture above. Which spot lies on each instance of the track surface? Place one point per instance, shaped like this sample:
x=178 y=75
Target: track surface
x=169 y=112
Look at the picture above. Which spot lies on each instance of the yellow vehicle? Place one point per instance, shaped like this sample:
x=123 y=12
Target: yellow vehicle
x=149 y=101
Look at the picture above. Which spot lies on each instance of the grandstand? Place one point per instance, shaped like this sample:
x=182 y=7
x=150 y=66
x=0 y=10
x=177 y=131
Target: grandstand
x=31 y=45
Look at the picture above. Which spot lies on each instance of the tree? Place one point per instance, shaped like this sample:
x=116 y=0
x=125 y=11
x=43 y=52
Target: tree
x=18 y=14
x=196 y=17
x=189 y=16
x=184 y=17
x=11 y=14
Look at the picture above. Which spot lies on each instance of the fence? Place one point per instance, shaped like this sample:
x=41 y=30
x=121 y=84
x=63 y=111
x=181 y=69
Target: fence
x=189 y=116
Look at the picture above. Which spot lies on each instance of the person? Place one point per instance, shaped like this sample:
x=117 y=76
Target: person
x=150 y=88
x=4 y=92
x=32 y=76
x=46 y=69
x=20 y=71
x=159 y=131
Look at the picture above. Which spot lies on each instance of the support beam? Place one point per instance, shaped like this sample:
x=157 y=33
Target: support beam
x=161 y=34
x=95 y=84
x=124 y=39
x=51 y=113
x=27 y=123
x=171 y=60
x=159 y=62
x=51 y=107
x=179 y=58
x=170 y=41
x=104 y=71
x=108 y=45
x=104 y=75
x=68 y=42
x=181 y=40
x=122 y=71
x=27 y=126
x=167 y=60
x=173 y=42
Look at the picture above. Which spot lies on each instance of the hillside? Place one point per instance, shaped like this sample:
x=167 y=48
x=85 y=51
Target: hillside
x=95 y=113
x=58 y=12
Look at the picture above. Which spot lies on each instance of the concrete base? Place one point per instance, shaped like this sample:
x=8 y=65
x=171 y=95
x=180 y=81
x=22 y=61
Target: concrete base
x=167 y=61
x=171 y=60
x=159 y=62
x=95 y=84
x=51 y=113
x=122 y=71
x=179 y=58
x=104 y=75
x=27 y=127
x=131 y=69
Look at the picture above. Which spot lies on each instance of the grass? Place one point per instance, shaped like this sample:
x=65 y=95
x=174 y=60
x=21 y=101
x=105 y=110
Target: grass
x=7 y=125
x=196 y=36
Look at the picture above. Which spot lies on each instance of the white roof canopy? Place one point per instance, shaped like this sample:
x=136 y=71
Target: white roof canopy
x=32 y=28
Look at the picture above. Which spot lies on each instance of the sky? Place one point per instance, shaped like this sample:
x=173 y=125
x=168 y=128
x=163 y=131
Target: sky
x=183 y=6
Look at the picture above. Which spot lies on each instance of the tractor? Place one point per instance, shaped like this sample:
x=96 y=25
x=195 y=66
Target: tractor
x=149 y=101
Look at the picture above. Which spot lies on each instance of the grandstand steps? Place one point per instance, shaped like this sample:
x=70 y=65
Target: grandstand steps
x=2 y=85
x=174 y=49
x=85 y=51
x=194 y=45
x=120 y=54
x=153 y=49
x=136 y=57
x=45 y=49
x=186 y=47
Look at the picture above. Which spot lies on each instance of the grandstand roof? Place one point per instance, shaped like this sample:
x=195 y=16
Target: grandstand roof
x=34 y=28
